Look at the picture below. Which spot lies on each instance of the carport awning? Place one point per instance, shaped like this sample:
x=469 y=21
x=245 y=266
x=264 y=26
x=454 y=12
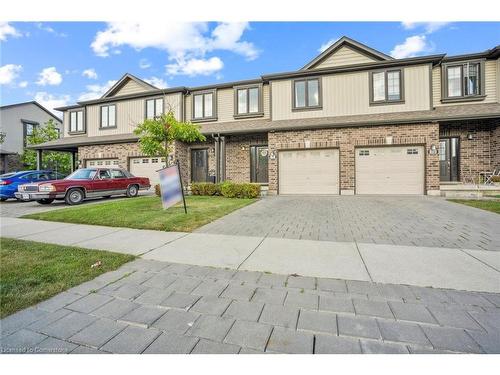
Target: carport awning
x=72 y=143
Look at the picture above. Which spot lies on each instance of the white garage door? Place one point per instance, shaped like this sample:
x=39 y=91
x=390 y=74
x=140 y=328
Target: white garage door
x=390 y=170
x=105 y=163
x=147 y=167
x=309 y=172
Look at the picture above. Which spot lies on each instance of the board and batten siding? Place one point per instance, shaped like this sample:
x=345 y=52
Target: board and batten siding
x=131 y=87
x=491 y=83
x=344 y=56
x=225 y=105
x=348 y=94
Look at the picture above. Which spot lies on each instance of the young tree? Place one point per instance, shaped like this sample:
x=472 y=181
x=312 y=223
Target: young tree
x=60 y=161
x=157 y=136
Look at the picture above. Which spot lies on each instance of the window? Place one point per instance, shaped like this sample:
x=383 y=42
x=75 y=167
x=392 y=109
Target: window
x=462 y=80
x=307 y=94
x=364 y=152
x=154 y=108
x=412 y=151
x=76 y=122
x=204 y=105
x=117 y=173
x=248 y=100
x=386 y=87
x=108 y=116
x=104 y=174
x=29 y=128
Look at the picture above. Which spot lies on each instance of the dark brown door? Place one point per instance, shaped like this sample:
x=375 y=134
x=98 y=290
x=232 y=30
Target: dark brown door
x=199 y=165
x=259 y=164
x=449 y=159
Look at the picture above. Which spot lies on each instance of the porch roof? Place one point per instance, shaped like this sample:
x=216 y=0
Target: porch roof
x=72 y=143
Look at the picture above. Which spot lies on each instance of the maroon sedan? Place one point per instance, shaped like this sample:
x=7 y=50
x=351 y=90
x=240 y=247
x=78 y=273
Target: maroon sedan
x=82 y=184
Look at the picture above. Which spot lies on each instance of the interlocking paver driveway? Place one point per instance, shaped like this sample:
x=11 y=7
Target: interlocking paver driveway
x=397 y=220
x=350 y=317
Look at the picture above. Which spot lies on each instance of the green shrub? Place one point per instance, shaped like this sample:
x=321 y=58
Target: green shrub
x=239 y=190
x=227 y=189
x=205 y=188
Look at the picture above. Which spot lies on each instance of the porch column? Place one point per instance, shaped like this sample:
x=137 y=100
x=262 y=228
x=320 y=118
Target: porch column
x=39 y=159
x=217 y=156
x=222 y=158
x=72 y=158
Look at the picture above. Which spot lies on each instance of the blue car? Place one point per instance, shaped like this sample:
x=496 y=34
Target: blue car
x=10 y=181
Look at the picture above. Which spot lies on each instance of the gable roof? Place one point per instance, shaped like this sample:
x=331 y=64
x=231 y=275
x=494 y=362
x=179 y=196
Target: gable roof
x=34 y=103
x=351 y=43
x=123 y=81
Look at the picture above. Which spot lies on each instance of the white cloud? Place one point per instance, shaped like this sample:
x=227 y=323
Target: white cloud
x=50 y=30
x=90 y=73
x=157 y=82
x=8 y=30
x=49 y=76
x=429 y=27
x=412 y=46
x=324 y=46
x=184 y=42
x=51 y=101
x=193 y=67
x=144 y=64
x=8 y=73
x=96 y=91
x=23 y=84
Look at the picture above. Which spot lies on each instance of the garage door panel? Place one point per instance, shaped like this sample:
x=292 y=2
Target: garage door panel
x=390 y=170
x=309 y=171
x=147 y=167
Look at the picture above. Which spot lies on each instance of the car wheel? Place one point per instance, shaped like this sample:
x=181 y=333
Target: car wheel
x=74 y=196
x=132 y=191
x=45 y=201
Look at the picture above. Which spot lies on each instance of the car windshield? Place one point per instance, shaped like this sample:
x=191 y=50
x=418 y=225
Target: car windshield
x=82 y=174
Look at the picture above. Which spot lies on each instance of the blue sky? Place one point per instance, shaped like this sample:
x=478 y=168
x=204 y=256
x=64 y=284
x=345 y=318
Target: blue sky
x=59 y=63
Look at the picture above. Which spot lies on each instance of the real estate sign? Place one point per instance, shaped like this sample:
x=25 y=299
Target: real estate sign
x=171 y=186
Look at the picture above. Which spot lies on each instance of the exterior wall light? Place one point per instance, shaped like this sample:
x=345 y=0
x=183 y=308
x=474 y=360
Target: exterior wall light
x=433 y=150
x=470 y=136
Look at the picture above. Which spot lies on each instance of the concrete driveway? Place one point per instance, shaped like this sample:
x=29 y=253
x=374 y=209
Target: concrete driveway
x=396 y=220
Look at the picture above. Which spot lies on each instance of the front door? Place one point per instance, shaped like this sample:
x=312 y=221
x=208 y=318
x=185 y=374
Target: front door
x=259 y=164
x=199 y=165
x=449 y=159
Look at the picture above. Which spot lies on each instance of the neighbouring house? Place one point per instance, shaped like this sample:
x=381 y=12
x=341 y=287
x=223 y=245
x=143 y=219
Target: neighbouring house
x=351 y=121
x=17 y=122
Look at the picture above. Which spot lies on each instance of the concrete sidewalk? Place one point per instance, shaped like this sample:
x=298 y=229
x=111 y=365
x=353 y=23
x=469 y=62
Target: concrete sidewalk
x=471 y=270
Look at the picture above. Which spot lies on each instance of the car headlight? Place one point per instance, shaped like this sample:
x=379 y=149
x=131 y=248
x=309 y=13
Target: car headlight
x=47 y=187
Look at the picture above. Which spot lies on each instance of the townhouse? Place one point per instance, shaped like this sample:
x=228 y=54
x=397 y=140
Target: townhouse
x=351 y=121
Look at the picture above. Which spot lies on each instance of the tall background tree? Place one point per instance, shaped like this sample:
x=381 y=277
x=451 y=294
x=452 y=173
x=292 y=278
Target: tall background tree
x=157 y=136
x=57 y=161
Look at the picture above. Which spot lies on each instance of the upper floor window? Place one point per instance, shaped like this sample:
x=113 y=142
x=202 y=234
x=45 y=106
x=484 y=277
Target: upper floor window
x=29 y=128
x=204 y=105
x=307 y=93
x=154 y=108
x=76 y=122
x=248 y=100
x=386 y=86
x=108 y=116
x=462 y=80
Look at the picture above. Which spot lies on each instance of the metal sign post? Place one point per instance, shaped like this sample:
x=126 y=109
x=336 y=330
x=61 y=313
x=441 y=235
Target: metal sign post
x=182 y=187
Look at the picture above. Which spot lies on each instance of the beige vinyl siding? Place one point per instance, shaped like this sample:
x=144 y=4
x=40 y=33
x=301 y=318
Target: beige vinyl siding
x=129 y=113
x=225 y=105
x=131 y=87
x=491 y=90
x=344 y=56
x=348 y=94
x=498 y=80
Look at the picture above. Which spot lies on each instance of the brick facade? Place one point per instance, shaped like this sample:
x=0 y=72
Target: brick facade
x=481 y=152
x=120 y=151
x=346 y=139
x=238 y=155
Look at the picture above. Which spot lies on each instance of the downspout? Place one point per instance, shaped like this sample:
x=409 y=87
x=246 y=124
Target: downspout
x=222 y=151
x=217 y=157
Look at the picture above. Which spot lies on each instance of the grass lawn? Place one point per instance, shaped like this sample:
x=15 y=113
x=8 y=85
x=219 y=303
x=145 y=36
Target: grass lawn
x=31 y=272
x=147 y=213
x=488 y=205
